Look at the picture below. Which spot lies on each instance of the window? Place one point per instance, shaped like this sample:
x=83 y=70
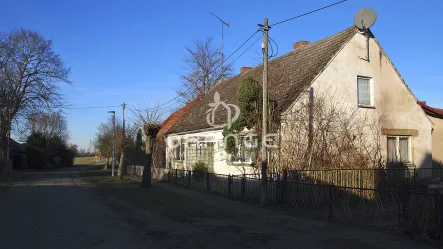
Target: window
x=364 y=91
x=179 y=152
x=399 y=149
x=244 y=154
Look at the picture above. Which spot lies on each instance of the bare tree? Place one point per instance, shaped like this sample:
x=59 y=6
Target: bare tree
x=104 y=138
x=150 y=119
x=329 y=134
x=204 y=69
x=29 y=73
x=49 y=125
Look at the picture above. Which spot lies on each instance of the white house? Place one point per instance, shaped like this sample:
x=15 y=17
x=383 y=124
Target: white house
x=369 y=86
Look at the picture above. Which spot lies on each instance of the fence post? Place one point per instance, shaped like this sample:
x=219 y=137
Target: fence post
x=277 y=193
x=176 y=176
x=436 y=212
x=207 y=181
x=404 y=200
x=283 y=185
x=229 y=185
x=169 y=175
x=415 y=177
x=243 y=186
x=331 y=200
x=189 y=178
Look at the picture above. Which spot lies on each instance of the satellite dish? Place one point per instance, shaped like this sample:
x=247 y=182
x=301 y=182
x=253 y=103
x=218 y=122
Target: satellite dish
x=365 y=18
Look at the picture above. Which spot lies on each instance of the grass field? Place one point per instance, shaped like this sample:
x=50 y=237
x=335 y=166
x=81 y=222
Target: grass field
x=87 y=160
x=104 y=177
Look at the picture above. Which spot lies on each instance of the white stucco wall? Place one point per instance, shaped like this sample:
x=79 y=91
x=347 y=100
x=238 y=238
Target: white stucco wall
x=221 y=164
x=390 y=96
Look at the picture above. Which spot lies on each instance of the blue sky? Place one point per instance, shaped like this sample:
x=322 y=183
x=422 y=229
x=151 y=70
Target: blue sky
x=133 y=51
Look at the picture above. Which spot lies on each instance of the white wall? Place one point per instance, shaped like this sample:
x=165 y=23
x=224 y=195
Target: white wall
x=391 y=97
x=221 y=164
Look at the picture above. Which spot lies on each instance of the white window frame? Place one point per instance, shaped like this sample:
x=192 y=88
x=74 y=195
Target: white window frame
x=181 y=151
x=397 y=148
x=242 y=148
x=371 y=92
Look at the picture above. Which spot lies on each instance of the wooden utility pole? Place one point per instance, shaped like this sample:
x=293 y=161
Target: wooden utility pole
x=121 y=167
x=264 y=160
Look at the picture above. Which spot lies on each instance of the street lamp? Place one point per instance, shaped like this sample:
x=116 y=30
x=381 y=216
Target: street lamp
x=113 y=140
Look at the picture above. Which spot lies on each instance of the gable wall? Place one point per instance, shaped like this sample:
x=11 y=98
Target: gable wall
x=437 y=144
x=392 y=98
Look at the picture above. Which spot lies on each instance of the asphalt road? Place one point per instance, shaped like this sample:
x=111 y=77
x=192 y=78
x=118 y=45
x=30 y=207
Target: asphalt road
x=56 y=210
x=50 y=211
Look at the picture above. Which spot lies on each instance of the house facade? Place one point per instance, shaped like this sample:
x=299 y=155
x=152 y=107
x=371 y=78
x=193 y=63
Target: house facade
x=436 y=116
x=369 y=90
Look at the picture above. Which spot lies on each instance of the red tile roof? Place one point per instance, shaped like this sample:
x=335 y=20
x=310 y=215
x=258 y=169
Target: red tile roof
x=435 y=112
x=174 y=118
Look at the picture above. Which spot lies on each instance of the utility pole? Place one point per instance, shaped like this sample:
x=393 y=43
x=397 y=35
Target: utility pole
x=121 y=168
x=113 y=141
x=264 y=160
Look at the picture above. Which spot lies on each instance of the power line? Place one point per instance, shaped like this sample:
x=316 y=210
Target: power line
x=235 y=51
x=157 y=106
x=276 y=45
x=307 y=13
x=246 y=49
x=242 y=44
x=91 y=107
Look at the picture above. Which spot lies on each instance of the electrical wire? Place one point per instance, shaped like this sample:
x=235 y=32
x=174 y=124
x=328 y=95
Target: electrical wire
x=307 y=13
x=235 y=51
x=175 y=98
x=157 y=106
x=91 y=107
x=246 y=49
x=272 y=40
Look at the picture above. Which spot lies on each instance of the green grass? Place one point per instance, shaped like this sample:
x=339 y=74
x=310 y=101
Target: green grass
x=103 y=177
x=87 y=160
x=8 y=179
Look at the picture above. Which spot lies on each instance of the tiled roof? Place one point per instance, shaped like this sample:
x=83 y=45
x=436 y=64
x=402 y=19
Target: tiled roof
x=173 y=119
x=431 y=111
x=288 y=76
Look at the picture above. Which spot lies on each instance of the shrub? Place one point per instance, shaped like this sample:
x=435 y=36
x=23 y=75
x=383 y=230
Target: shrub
x=200 y=166
x=56 y=161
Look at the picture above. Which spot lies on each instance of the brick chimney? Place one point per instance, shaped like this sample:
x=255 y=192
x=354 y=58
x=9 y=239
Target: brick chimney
x=245 y=69
x=300 y=44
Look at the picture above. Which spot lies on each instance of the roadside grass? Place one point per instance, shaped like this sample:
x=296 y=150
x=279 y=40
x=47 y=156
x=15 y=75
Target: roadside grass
x=7 y=179
x=87 y=160
x=104 y=177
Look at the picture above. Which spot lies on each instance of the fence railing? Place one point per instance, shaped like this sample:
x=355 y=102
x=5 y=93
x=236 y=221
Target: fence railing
x=390 y=179
x=396 y=209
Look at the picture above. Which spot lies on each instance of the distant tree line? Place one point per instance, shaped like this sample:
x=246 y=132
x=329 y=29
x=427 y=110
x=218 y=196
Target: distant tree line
x=47 y=142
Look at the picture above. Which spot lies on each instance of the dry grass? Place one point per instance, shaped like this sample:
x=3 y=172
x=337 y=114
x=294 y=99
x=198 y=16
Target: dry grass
x=104 y=177
x=7 y=179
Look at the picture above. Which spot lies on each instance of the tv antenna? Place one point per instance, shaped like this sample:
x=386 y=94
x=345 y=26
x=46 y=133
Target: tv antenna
x=223 y=23
x=363 y=20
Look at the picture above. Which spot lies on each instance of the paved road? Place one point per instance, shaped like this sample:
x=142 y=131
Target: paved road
x=50 y=211
x=54 y=210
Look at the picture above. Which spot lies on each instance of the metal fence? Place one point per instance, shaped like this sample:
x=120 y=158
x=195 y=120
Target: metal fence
x=390 y=179
x=400 y=209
